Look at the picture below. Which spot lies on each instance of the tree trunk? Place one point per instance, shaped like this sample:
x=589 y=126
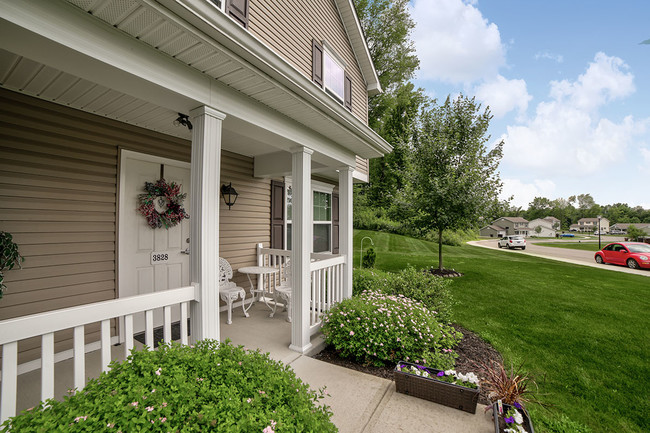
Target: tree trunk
x=440 y=249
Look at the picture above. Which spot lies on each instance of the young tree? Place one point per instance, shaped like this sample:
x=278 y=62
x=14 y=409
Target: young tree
x=456 y=180
x=634 y=233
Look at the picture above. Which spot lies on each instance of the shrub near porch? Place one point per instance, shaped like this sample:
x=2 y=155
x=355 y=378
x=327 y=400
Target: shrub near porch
x=380 y=329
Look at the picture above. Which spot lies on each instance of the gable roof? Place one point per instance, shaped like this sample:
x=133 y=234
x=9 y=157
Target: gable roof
x=514 y=219
x=359 y=45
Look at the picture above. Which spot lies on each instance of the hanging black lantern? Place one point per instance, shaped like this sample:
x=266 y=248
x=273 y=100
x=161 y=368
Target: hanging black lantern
x=229 y=194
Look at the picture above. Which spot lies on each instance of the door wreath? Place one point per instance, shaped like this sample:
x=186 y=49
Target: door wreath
x=162 y=204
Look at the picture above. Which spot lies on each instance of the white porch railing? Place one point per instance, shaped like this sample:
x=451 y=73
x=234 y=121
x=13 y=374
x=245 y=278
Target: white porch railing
x=76 y=318
x=326 y=279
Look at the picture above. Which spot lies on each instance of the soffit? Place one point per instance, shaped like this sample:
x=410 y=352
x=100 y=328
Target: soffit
x=162 y=30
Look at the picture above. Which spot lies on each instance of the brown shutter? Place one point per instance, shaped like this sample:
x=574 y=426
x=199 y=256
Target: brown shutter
x=317 y=63
x=238 y=9
x=347 y=92
x=335 y=223
x=277 y=214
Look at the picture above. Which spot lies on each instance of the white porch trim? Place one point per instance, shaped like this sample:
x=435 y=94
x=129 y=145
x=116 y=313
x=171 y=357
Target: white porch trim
x=301 y=239
x=204 y=240
x=345 y=226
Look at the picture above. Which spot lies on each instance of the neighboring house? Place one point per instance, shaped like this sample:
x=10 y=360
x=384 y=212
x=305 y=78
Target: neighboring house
x=591 y=224
x=545 y=225
x=513 y=225
x=492 y=231
x=556 y=224
x=574 y=227
x=621 y=228
x=91 y=91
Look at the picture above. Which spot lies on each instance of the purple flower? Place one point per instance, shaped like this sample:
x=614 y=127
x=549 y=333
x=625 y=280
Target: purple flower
x=517 y=405
x=509 y=420
x=440 y=373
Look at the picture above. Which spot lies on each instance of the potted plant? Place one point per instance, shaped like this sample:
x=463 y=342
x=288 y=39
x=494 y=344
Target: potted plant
x=448 y=387
x=9 y=257
x=508 y=391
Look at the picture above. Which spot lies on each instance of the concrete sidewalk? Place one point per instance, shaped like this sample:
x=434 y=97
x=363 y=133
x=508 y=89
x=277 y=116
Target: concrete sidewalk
x=360 y=402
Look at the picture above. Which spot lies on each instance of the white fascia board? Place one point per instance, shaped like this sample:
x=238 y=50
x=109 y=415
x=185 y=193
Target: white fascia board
x=243 y=44
x=357 y=39
x=64 y=37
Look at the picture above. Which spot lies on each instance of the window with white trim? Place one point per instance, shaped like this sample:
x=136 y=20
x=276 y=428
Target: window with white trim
x=333 y=75
x=321 y=216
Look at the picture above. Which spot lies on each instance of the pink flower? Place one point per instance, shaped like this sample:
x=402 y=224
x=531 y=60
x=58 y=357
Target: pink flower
x=164 y=404
x=135 y=404
x=149 y=408
x=248 y=400
x=81 y=418
x=163 y=419
x=159 y=371
x=268 y=429
x=351 y=332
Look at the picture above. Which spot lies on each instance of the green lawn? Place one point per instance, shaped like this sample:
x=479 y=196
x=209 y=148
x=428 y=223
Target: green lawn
x=585 y=246
x=584 y=332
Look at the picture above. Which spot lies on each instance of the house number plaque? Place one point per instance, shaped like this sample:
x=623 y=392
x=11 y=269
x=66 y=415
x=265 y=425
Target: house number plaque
x=159 y=257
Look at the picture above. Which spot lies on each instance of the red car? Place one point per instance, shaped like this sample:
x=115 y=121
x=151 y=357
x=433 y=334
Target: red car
x=634 y=255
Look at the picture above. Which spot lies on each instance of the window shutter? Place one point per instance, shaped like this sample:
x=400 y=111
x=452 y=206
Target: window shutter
x=347 y=92
x=277 y=214
x=335 y=223
x=238 y=9
x=317 y=62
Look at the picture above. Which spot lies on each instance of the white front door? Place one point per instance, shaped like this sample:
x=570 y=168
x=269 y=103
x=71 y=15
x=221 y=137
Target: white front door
x=151 y=260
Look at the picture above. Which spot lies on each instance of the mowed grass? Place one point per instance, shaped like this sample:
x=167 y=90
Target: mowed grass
x=584 y=246
x=584 y=332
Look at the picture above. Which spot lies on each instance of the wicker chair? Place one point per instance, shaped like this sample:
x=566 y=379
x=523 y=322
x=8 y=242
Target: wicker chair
x=228 y=290
x=283 y=291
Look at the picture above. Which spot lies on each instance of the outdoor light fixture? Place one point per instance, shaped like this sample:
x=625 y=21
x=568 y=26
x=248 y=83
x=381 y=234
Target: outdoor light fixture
x=229 y=194
x=599 y=217
x=183 y=119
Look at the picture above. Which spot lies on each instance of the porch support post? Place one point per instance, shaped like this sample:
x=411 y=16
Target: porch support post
x=345 y=227
x=301 y=240
x=204 y=221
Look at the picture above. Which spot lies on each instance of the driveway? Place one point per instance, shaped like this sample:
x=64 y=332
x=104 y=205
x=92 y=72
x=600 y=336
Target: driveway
x=578 y=257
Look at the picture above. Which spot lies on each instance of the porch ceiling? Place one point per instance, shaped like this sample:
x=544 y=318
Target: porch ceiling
x=212 y=44
x=45 y=82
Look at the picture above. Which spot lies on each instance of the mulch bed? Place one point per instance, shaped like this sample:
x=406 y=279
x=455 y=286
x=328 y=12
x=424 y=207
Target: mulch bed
x=472 y=353
x=446 y=273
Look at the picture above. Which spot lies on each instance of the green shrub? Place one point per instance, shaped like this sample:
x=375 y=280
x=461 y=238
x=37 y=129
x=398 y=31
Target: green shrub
x=367 y=218
x=368 y=260
x=210 y=387
x=380 y=329
x=454 y=238
x=431 y=290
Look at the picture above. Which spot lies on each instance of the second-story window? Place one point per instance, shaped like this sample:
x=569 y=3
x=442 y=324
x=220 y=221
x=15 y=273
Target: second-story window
x=328 y=72
x=236 y=9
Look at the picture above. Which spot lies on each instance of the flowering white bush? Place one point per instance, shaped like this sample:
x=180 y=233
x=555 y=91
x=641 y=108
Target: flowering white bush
x=381 y=329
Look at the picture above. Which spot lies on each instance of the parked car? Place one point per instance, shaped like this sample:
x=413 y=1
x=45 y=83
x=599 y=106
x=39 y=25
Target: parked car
x=634 y=255
x=568 y=235
x=511 y=241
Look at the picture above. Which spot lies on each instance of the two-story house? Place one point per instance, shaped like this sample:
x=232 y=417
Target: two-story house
x=542 y=227
x=506 y=226
x=100 y=97
x=592 y=224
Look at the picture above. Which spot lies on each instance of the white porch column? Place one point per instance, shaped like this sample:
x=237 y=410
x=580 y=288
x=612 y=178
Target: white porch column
x=204 y=221
x=345 y=227
x=301 y=245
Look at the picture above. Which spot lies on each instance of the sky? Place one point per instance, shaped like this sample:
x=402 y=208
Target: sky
x=568 y=84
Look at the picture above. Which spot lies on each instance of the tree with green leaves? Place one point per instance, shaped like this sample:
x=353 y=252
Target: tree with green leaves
x=634 y=233
x=456 y=179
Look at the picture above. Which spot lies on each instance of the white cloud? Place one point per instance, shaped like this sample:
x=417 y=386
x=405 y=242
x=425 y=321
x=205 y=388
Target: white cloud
x=454 y=42
x=523 y=193
x=645 y=161
x=503 y=96
x=567 y=135
x=558 y=58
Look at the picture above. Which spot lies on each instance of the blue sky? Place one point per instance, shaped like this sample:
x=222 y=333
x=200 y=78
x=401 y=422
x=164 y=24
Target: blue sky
x=567 y=81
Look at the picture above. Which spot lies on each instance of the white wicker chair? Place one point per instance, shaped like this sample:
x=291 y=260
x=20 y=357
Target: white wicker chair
x=228 y=290
x=283 y=291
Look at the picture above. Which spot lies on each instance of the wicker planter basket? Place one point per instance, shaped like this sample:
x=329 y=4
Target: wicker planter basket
x=437 y=391
x=500 y=424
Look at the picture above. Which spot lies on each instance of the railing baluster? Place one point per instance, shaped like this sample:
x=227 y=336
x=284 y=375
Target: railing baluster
x=47 y=366
x=9 y=380
x=148 y=328
x=79 y=358
x=128 y=334
x=106 y=344
x=167 y=324
x=184 y=323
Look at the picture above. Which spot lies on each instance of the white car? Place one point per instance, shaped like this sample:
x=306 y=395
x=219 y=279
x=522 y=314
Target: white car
x=512 y=241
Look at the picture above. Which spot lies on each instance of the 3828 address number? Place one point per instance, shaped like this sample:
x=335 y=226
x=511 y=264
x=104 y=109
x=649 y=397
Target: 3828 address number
x=158 y=257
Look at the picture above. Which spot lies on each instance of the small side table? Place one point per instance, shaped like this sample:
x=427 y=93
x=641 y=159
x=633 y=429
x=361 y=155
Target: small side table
x=261 y=271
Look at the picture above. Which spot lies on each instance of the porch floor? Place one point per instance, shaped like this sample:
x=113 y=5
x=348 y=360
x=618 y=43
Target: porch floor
x=360 y=402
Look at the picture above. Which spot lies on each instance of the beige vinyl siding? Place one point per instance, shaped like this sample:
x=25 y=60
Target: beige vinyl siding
x=362 y=165
x=58 y=197
x=288 y=28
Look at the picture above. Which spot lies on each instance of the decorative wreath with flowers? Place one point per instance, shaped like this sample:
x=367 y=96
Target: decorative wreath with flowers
x=162 y=204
